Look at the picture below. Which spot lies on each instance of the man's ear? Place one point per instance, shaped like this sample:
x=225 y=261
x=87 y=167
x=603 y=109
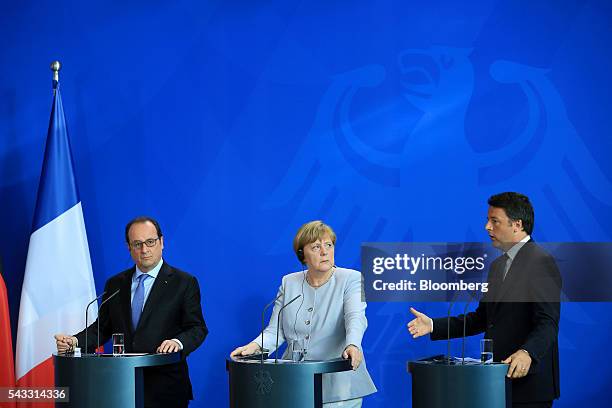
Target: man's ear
x=519 y=225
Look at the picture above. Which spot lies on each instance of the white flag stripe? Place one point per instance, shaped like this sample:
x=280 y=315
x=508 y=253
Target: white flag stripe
x=58 y=284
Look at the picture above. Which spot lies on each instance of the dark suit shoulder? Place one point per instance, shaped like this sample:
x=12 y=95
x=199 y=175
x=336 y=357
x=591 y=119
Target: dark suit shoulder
x=536 y=256
x=534 y=250
x=179 y=273
x=118 y=278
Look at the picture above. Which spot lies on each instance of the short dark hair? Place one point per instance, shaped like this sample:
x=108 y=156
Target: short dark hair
x=517 y=207
x=139 y=220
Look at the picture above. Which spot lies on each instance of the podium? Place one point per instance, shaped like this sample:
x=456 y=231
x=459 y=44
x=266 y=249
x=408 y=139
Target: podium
x=437 y=384
x=283 y=384
x=104 y=380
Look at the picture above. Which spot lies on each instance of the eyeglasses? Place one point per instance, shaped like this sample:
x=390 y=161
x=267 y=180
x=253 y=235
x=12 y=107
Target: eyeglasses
x=149 y=243
x=317 y=247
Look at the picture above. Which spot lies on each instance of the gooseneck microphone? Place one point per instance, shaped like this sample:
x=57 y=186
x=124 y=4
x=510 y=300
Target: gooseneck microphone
x=263 y=325
x=102 y=304
x=86 y=315
x=448 y=316
x=278 y=324
x=464 y=325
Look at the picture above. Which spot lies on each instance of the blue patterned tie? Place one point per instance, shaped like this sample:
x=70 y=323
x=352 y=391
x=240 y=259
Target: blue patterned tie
x=138 y=300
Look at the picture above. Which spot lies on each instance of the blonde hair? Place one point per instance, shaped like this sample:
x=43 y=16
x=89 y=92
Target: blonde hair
x=309 y=233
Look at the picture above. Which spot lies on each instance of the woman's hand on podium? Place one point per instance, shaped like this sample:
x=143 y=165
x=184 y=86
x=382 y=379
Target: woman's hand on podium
x=65 y=343
x=247 y=350
x=421 y=325
x=354 y=354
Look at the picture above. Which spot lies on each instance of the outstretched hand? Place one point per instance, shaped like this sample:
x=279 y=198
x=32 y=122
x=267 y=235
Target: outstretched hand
x=421 y=325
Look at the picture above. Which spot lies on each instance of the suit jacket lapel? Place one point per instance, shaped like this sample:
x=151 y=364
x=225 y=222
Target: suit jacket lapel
x=516 y=268
x=496 y=282
x=158 y=291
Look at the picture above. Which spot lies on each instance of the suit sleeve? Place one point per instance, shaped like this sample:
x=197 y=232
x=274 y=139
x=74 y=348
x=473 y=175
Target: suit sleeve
x=92 y=331
x=545 y=290
x=192 y=321
x=355 y=322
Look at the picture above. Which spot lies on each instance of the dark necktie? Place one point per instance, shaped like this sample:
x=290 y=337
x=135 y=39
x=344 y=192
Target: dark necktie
x=506 y=264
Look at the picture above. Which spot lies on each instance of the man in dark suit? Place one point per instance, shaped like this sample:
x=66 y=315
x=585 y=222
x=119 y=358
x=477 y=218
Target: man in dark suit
x=521 y=310
x=157 y=309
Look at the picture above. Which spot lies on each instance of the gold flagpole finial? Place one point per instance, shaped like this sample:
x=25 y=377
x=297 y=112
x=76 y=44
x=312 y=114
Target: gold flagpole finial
x=55 y=67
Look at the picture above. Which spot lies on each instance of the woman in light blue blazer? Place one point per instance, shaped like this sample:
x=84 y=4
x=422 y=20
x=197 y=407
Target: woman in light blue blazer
x=327 y=321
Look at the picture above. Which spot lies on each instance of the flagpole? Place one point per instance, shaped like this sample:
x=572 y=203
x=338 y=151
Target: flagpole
x=47 y=307
x=55 y=67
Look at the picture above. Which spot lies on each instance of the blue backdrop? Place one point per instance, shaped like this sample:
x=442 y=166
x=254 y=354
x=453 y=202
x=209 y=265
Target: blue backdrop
x=233 y=122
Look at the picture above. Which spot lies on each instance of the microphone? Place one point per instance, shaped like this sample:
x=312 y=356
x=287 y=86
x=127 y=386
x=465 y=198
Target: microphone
x=278 y=324
x=102 y=304
x=86 y=315
x=263 y=325
x=448 y=316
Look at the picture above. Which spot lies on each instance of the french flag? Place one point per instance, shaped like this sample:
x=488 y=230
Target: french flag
x=58 y=281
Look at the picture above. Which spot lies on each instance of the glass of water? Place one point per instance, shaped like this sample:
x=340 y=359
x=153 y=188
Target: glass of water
x=118 y=344
x=297 y=350
x=486 y=351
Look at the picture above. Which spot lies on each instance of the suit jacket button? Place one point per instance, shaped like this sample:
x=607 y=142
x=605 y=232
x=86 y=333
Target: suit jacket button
x=491 y=326
x=310 y=309
x=307 y=322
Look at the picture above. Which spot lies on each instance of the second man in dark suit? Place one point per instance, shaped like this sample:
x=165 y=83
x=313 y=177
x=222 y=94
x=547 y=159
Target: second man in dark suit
x=521 y=309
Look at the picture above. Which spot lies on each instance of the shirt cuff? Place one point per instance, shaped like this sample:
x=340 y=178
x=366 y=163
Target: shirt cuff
x=354 y=345
x=431 y=325
x=179 y=343
x=354 y=340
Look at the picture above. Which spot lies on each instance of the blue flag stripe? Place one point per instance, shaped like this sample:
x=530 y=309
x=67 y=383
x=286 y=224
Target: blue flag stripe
x=57 y=191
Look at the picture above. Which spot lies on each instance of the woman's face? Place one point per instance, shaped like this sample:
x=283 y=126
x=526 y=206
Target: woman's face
x=319 y=255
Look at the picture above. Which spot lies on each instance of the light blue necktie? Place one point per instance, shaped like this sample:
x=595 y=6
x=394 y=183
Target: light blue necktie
x=138 y=300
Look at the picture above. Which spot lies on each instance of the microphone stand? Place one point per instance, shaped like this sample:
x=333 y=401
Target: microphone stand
x=278 y=325
x=464 y=327
x=448 y=340
x=86 y=315
x=263 y=325
x=102 y=304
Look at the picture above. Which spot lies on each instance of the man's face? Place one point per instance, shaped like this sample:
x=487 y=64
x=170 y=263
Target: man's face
x=146 y=258
x=319 y=255
x=504 y=233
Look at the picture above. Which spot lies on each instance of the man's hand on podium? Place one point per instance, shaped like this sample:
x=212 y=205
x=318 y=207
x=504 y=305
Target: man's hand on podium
x=65 y=343
x=520 y=362
x=354 y=354
x=421 y=325
x=168 y=346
